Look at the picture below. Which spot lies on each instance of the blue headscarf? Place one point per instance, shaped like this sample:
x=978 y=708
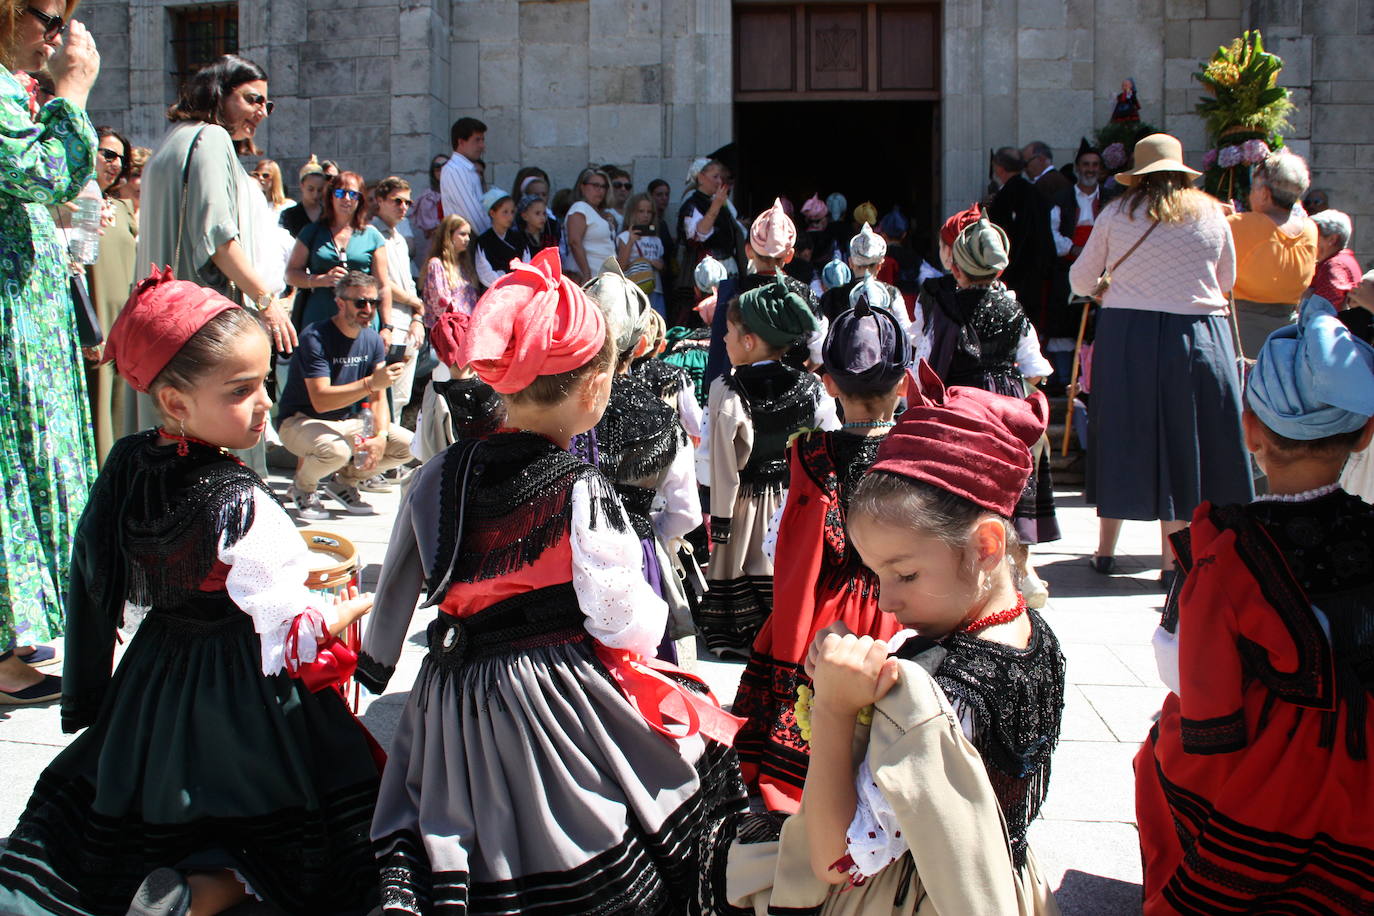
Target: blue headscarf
x=1313 y=379
x=866 y=350
x=835 y=273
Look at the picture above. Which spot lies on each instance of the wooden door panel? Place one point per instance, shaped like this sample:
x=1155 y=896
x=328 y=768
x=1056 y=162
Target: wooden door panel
x=908 y=47
x=765 y=49
x=836 y=43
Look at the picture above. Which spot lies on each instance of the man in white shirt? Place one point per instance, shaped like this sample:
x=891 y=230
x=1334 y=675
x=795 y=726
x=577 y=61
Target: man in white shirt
x=460 y=183
x=1071 y=222
x=407 y=309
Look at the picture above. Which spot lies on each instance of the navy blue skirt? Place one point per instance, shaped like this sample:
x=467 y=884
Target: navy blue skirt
x=1164 y=429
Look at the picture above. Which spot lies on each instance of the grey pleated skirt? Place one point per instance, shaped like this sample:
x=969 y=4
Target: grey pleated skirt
x=522 y=781
x=1164 y=430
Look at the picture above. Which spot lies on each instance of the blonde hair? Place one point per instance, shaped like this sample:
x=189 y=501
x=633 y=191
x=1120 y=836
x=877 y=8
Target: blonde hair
x=441 y=248
x=277 y=194
x=11 y=11
x=1169 y=197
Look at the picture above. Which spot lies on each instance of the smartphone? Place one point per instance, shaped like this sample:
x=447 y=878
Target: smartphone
x=643 y=229
x=396 y=353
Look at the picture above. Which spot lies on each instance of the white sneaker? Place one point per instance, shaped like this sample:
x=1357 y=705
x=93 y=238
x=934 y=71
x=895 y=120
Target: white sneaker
x=377 y=483
x=1035 y=590
x=308 y=505
x=349 y=496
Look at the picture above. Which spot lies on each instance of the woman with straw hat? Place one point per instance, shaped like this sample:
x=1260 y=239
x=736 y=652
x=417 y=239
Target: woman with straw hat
x=1164 y=424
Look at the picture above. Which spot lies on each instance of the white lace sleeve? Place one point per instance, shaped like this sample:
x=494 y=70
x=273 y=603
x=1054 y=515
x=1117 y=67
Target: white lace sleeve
x=921 y=342
x=1029 y=359
x=622 y=611
x=770 y=537
x=816 y=342
x=689 y=410
x=681 y=503
x=827 y=417
x=268 y=567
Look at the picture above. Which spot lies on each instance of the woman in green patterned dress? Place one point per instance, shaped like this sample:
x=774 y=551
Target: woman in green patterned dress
x=47 y=456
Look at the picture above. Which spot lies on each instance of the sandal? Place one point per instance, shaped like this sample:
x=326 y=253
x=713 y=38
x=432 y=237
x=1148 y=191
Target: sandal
x=38 y=657
x=1104 y=565
x=45 y=691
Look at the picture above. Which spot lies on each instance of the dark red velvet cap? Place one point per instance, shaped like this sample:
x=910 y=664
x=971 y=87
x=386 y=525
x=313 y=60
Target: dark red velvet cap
x=958 y=223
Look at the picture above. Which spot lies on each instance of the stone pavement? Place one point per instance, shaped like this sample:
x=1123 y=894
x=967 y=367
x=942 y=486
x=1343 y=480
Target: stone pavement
x=1086 y=839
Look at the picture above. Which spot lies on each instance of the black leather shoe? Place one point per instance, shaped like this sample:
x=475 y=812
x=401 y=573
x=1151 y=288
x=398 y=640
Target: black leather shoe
x=163 y=893
x=1104 y=565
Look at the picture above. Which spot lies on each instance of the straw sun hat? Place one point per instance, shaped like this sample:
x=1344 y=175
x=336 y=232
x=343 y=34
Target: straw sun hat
x=1157 y=153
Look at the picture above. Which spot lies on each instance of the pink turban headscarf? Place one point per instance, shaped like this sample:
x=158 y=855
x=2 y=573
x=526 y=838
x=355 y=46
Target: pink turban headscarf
x=533 y=321
x=773 y=231
x=814 y=208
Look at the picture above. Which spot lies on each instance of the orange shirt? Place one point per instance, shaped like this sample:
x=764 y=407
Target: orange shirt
x=1272 y=266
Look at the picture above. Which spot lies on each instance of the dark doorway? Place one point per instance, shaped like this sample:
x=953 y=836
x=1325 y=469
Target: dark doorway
x=879 y=151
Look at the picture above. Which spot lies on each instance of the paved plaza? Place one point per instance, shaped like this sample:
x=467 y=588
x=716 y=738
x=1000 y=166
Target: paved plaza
x=1086 y=839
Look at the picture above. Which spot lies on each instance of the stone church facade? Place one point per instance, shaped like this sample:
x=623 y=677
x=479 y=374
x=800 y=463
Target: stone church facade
x=650 y=84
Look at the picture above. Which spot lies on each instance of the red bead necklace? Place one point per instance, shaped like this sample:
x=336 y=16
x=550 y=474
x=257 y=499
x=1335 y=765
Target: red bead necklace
x=992 y=620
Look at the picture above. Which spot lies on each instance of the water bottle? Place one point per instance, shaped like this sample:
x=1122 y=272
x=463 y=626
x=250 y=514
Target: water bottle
x=84 y=236
x=369 y=430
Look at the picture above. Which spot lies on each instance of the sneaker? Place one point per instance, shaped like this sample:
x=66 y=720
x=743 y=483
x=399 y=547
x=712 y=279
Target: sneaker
x=377 y=483
x=400 y=474
x=165 y=892
x=308 y=505
x=349 y=496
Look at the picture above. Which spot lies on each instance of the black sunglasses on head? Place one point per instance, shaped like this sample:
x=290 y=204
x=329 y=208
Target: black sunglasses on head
x=52 y=25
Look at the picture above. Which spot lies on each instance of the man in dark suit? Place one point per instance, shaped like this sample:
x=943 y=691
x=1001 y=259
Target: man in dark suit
x=1040 y=171
x=1025 y=216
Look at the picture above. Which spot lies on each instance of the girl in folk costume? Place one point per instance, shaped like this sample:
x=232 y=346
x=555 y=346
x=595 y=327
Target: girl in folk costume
x=866 y=356
x=217 y=762
x=993 y=346
x=667 y=380
x=752 y=412
x=689 y=348
x=460 y=407
x=533 y=771
x=772 y=237
x=642 y=450
x=1252 y=790
x=930 y=753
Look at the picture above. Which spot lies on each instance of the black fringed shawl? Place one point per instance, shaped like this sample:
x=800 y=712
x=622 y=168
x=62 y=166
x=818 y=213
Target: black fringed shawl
x=504 y=501
x=780 y=401
x=150 y=535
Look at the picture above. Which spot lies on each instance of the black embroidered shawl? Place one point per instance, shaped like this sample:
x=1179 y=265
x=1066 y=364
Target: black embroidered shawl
x=780 y=400
x=475 y=409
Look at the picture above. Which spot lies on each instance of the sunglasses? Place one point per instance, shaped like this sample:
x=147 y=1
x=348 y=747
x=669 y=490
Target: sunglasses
x=621 y=185
x=110 y=155
x=52 y=25
x=362 y=302
x=255 y=100
x=344 y=193
x=400 y=201
x=595 y=184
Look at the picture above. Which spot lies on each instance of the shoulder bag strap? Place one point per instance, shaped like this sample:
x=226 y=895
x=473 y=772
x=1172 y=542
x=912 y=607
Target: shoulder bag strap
x=185 y=182
x=1130 y=251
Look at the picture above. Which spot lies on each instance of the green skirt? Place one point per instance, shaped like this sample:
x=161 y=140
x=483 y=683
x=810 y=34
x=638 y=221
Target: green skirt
x=197 y=760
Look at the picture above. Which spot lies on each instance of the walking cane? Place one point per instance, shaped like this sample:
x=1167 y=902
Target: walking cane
x=1073 y=378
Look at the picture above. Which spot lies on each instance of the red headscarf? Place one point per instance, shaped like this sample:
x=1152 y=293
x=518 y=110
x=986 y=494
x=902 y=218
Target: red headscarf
x=447 y=335
x=967 y=441
x=533 y=321
x=161 y=315
x=958 y=223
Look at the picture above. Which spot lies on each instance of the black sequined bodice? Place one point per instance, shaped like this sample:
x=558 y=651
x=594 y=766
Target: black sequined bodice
x=992 y=326
x=780 y=400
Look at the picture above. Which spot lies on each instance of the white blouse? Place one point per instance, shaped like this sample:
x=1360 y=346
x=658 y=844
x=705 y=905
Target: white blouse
x=597 y=241
x=268 y=567
x=622 y=611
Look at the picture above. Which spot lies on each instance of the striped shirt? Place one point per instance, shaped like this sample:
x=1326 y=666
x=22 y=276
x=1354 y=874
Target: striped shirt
x=461 y=188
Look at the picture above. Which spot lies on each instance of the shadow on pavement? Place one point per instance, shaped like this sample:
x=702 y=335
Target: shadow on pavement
x=1094 y=895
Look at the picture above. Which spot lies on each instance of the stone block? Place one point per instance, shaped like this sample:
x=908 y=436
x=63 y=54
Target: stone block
x=608 y=20
x=554 y=21
x=553 y=76
x=1299 y=146
x=1208 y=34
x=1177 y=39
x=464 y=74
x=1301 y=116
x=1190 y=130
x=1343 y=124
x=374 y=75
x=625 y=85
x=1297 y=59
x=1178 y=73
x=486 y=20
x=1185 y=9
x=284 y=70
x=1334 y=56
x=1054 y=113
x=1224 y=9
x=553 y=127
x=1344 y=92
x=328 y=25
x=416 y=30
x=620 y=132
x=1043 y=14
x=1129 y=11
x=1364 y=156
x=646 y=18
x=327 y=78
x=1081 y=12
x=411 y=75
x=1364 y=22
x=1084 y=75
x=563 y=163
x=290 y=124
x=1178 y=101
x=498 y=77
x=1041 y=44
x=1269 y=14
x=504 y=137
x=409 y=114
x=1334 y=155
x=338 y=49
x=346 y=111
x=366 y=140
x=1329 y=17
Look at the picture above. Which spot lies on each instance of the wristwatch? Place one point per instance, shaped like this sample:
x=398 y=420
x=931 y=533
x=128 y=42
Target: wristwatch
x=262 y=302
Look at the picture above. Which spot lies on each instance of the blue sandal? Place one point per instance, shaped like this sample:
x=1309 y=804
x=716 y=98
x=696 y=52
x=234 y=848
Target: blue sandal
x=45 y=691
x=40 y=657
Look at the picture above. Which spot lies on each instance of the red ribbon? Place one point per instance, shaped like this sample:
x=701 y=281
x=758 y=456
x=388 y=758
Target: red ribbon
x=658 y=698
x=334 y=661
